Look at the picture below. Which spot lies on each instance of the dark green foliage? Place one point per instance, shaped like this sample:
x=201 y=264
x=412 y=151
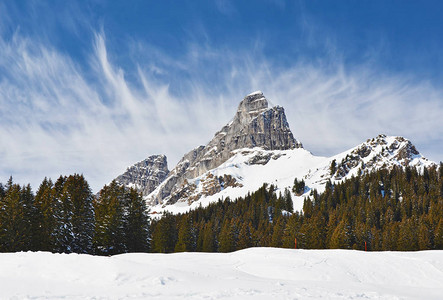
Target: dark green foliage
x=289 y=204
x=16 y=214
x=398 y=209
x=299 y=187
x=208 y=238
x=137 y=234
x=226 y=225
x=77 y=215
x=228 y=236
x=109 y=207
x=44 y=224
x=164 y=234
x=61 y=217
x=122 y=222
x=186 y=238
x=245 y=237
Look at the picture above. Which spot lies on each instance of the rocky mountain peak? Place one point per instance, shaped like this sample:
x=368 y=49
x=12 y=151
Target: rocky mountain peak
x=379 y=152
x=145 y=175
x=251 y=106
x=254 y=125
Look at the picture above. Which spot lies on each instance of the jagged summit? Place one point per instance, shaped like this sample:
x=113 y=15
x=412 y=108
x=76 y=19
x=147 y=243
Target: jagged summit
x=257 y=125
x=254 y=125
x=379 y=152
x=145 y=175
x=251 y=106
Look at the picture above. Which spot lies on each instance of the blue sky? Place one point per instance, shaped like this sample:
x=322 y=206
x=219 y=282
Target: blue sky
x=94 y=86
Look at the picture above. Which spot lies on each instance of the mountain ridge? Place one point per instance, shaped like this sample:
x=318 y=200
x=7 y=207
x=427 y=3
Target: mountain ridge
x=256 y=147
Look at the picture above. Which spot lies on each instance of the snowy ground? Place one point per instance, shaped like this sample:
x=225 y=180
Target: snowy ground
x=257 y=273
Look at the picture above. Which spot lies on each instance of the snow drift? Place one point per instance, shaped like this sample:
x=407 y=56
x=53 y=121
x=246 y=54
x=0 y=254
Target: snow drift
x=255 y=273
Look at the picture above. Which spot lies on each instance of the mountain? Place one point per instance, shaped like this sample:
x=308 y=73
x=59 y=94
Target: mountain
x=145 y=175
x=256 y=147
x=254 y=125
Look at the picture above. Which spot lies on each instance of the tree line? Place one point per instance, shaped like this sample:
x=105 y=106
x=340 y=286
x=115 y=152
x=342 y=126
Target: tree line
x=66 y=217
x=398 y=209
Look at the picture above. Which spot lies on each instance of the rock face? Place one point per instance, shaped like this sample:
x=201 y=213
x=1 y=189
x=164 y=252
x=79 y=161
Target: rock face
x=376 y=153
x=146 y=175
x=254 y=125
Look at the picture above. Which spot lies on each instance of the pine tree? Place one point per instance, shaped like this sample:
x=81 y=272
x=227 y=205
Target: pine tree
x=299 y=187
x=15 y=218
x=109 y=236
x=340 y=237
x=291 y=231
x=62 y=213
x=438 y=239
x=44 y=225
x=244 y=237
x=208 y=244
x=29 y=213
x=186 y=239
x=425 y=236
x=408 y=236
x=228 y=236
x=277 y=234
x=164 y=236
x=137 y=222
x=288 y=201
x=75 y=215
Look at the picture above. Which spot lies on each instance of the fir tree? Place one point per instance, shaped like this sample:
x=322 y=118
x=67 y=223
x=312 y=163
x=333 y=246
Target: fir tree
x=299 y=187
x=228 y=236
x=137 y=222
x=76 y=215
x=289 y=204
x=277 y=234
x=44 y=225
x=15 y=218
x=438 y=239
x=186 y=238
x=245 y=237
x=109 y=237
x=208 y=244
x=164 y=235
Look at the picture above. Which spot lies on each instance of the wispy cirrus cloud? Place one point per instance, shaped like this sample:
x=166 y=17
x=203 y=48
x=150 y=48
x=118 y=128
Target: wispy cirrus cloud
x=59 y=117
x=55 y=120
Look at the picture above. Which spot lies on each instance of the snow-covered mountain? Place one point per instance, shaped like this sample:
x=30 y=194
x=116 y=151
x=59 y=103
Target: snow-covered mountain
x=256 y=147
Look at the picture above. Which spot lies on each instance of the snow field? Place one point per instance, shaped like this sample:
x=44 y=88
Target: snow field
x=255 y=273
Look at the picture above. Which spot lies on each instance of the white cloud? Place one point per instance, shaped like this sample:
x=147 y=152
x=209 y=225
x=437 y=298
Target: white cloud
x=56 y=119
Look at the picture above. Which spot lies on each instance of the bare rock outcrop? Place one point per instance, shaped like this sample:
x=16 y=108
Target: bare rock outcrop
x=146 y=175
x=254 y=125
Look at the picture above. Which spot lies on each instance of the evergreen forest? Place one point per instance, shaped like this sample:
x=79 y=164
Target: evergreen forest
x=66 y=217
x=399 y=209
